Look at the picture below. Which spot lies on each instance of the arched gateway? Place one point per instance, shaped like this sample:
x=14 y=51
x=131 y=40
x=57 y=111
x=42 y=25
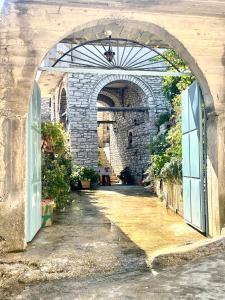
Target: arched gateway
x=18 y=69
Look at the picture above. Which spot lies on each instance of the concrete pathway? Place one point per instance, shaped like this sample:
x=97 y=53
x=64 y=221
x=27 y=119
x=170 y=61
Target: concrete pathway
x=144 y=219
x=201 y=280
x=98 y=248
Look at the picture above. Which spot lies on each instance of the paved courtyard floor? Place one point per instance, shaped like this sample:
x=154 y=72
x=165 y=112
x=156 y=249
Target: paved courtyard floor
x=99 y=248
x=144 y=219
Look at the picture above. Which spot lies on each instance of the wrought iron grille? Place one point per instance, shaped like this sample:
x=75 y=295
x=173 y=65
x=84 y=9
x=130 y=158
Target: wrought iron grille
x=114 y=53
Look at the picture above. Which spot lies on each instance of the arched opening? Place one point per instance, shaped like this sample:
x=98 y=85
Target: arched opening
x=131 y=124
x=133 y=30
x=130 y=103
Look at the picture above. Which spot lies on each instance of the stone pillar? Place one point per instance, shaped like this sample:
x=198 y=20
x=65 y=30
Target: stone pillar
x=216 y=172
x=12 y=182
x=82 y=120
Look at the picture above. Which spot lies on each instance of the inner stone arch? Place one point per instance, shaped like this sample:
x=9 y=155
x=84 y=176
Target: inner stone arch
x=132 y=105
x=126 y=127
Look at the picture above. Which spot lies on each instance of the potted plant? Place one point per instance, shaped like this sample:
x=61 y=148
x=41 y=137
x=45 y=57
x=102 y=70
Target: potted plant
x=85 y=175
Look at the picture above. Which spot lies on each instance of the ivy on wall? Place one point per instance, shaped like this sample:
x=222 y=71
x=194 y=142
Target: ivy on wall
x=166 y=149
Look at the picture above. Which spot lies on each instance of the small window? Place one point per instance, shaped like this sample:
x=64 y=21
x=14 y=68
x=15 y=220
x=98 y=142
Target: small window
x=130 y=139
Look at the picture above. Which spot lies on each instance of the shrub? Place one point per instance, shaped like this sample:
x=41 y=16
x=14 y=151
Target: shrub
x=174 y=139
x=55 y=134
x=163 y=118
x=56 y=164
x=158 y=145
x=172 y=171
x=83 y=173
x=158 y=161
x=55 y=185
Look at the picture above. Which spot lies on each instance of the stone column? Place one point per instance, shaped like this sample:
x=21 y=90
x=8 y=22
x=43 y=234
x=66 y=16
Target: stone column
x=12 y=182
x=83 y=120
x=216 y=172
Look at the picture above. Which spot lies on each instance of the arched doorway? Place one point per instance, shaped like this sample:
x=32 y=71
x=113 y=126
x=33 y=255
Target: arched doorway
x=215 y=169
x=133 y=113
x=143 y=61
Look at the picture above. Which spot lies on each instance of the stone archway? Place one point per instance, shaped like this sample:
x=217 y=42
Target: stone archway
x=19 y=69
x=146 y=89
x=137 y=92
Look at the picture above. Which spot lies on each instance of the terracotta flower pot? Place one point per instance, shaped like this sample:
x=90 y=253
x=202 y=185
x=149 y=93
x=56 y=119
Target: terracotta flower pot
x=86 y=184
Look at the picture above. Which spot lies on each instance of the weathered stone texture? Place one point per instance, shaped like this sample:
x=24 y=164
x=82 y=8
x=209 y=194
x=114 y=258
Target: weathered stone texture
x=82 y=115
x=83 y=92
x=45 y=110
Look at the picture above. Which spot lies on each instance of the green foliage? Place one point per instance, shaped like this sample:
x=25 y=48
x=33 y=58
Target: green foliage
x=166 y=150
x=172 y=171
x=56 y=134
x=173 y=86
x=157 y=163
x=170 y=88
x=158 y=145
x=55 y=184
x=83 y=173
x=173 y=57
x=174 y=139
x=163 y=118
x=56 y=165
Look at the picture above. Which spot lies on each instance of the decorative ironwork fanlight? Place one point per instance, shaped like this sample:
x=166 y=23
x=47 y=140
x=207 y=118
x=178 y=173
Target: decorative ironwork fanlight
x=114 y=53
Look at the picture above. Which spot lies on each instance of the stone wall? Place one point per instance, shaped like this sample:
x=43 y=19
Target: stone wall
x=45 y=109
x=82 y=114
x=141 y=125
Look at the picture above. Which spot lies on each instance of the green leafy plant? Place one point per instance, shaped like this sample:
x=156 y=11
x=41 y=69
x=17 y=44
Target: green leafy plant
x=172 y=171
x=166 y=150
x=56 y=164
x=55 y=185
x=83 y=173
x=55 y=134
x=174 y=140
x=158 y=144
x=163 y=118
x=157 y=163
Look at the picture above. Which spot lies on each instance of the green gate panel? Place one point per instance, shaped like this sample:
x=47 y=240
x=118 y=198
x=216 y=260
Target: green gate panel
x=192 y=155
x=33 y=214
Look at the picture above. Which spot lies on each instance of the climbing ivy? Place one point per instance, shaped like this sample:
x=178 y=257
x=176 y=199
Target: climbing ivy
x=166 y=150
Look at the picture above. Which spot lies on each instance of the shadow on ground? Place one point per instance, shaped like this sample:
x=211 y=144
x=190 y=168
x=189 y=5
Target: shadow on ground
x=81 y=243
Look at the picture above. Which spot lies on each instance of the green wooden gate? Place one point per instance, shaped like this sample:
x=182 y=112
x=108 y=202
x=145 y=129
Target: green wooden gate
x=192 y=151
x=33 y=215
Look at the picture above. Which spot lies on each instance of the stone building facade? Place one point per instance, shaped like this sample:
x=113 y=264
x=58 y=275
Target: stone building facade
x=129 y=132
